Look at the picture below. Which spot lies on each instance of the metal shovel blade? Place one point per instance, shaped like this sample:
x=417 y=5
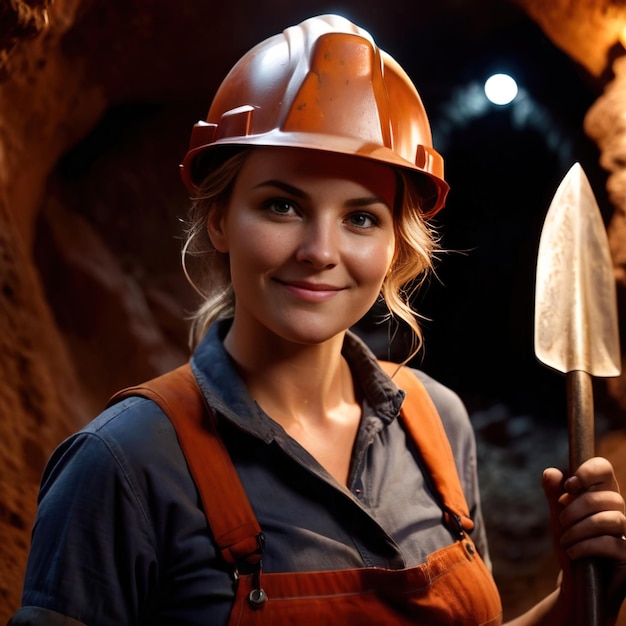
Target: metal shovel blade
x=576 y=326
x=576 y=332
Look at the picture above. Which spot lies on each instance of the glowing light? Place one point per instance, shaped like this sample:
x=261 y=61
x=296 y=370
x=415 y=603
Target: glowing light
x=501 y=89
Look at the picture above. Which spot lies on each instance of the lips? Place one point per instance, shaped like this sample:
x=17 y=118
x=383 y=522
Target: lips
x=310 y=291
x=310 y=286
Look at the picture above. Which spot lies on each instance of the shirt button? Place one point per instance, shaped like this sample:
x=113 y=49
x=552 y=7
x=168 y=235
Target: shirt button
x=358 y=493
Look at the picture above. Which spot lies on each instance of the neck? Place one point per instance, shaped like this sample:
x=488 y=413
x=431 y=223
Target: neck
x=292 y=382
x=307 y=389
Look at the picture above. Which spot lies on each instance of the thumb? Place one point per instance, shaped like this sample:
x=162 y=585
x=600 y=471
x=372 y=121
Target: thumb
x=552 y=483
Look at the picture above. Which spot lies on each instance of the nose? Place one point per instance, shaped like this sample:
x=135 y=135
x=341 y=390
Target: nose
x=319 y=244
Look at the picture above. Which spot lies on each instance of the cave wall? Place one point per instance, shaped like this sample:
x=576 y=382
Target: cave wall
x=96 y=99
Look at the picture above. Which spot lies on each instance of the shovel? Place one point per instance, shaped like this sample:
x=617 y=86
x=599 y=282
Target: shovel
x=576 y=331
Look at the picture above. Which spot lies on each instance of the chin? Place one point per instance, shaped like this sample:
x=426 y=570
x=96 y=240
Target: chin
x=308 y=335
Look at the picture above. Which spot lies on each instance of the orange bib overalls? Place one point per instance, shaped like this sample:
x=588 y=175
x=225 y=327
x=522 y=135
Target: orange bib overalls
x=452 y=587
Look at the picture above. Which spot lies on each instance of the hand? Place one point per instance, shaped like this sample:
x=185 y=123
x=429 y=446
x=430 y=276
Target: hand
x=588 y=519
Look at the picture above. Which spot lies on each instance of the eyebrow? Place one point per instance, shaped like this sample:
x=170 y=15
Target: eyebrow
x=290 y=189
x=299 y=193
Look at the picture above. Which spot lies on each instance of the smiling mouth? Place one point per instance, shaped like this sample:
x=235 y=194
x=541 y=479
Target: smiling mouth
x=311 y=292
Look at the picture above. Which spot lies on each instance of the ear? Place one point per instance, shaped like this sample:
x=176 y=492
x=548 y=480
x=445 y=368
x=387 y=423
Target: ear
x=217 y=231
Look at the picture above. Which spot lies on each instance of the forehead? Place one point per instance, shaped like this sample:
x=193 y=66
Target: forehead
x=310 y=167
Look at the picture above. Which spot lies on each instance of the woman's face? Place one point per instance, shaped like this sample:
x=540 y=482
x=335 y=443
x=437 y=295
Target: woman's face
x=310 y=239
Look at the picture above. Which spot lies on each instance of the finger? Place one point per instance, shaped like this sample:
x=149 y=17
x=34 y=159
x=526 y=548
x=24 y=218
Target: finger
x=595 y=474
x=604 y=524
x=577 y=508
x=552 y=483
x=606 y=546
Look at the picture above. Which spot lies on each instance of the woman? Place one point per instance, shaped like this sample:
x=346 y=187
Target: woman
x=283 y=486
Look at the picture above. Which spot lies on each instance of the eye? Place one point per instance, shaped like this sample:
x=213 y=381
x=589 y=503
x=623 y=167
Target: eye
x=280 y=206
x=363 y=220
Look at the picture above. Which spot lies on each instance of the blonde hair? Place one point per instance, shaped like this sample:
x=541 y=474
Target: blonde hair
x=208 y=270
x=416 y=244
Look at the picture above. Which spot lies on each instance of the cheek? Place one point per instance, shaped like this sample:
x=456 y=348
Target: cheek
x=373 y=260
x=254 y=248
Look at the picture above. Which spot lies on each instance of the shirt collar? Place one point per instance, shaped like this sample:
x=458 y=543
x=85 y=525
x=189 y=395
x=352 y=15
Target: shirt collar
x=226 y=393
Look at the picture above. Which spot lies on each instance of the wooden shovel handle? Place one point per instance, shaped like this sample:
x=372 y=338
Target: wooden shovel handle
x=580 y=415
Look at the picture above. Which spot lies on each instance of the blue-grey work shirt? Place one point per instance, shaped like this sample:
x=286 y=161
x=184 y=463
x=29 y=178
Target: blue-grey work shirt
x=120 y=536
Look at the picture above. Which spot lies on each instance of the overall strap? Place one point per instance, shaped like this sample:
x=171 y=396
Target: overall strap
x=226 y=506
x=424 y=424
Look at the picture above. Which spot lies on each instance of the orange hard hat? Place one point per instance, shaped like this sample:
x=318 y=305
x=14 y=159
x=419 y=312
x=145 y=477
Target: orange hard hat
x=322 y=85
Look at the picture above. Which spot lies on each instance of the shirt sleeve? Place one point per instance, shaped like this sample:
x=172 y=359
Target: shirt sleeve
x=92 y=558
x=120 y=536
x=35 y=616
